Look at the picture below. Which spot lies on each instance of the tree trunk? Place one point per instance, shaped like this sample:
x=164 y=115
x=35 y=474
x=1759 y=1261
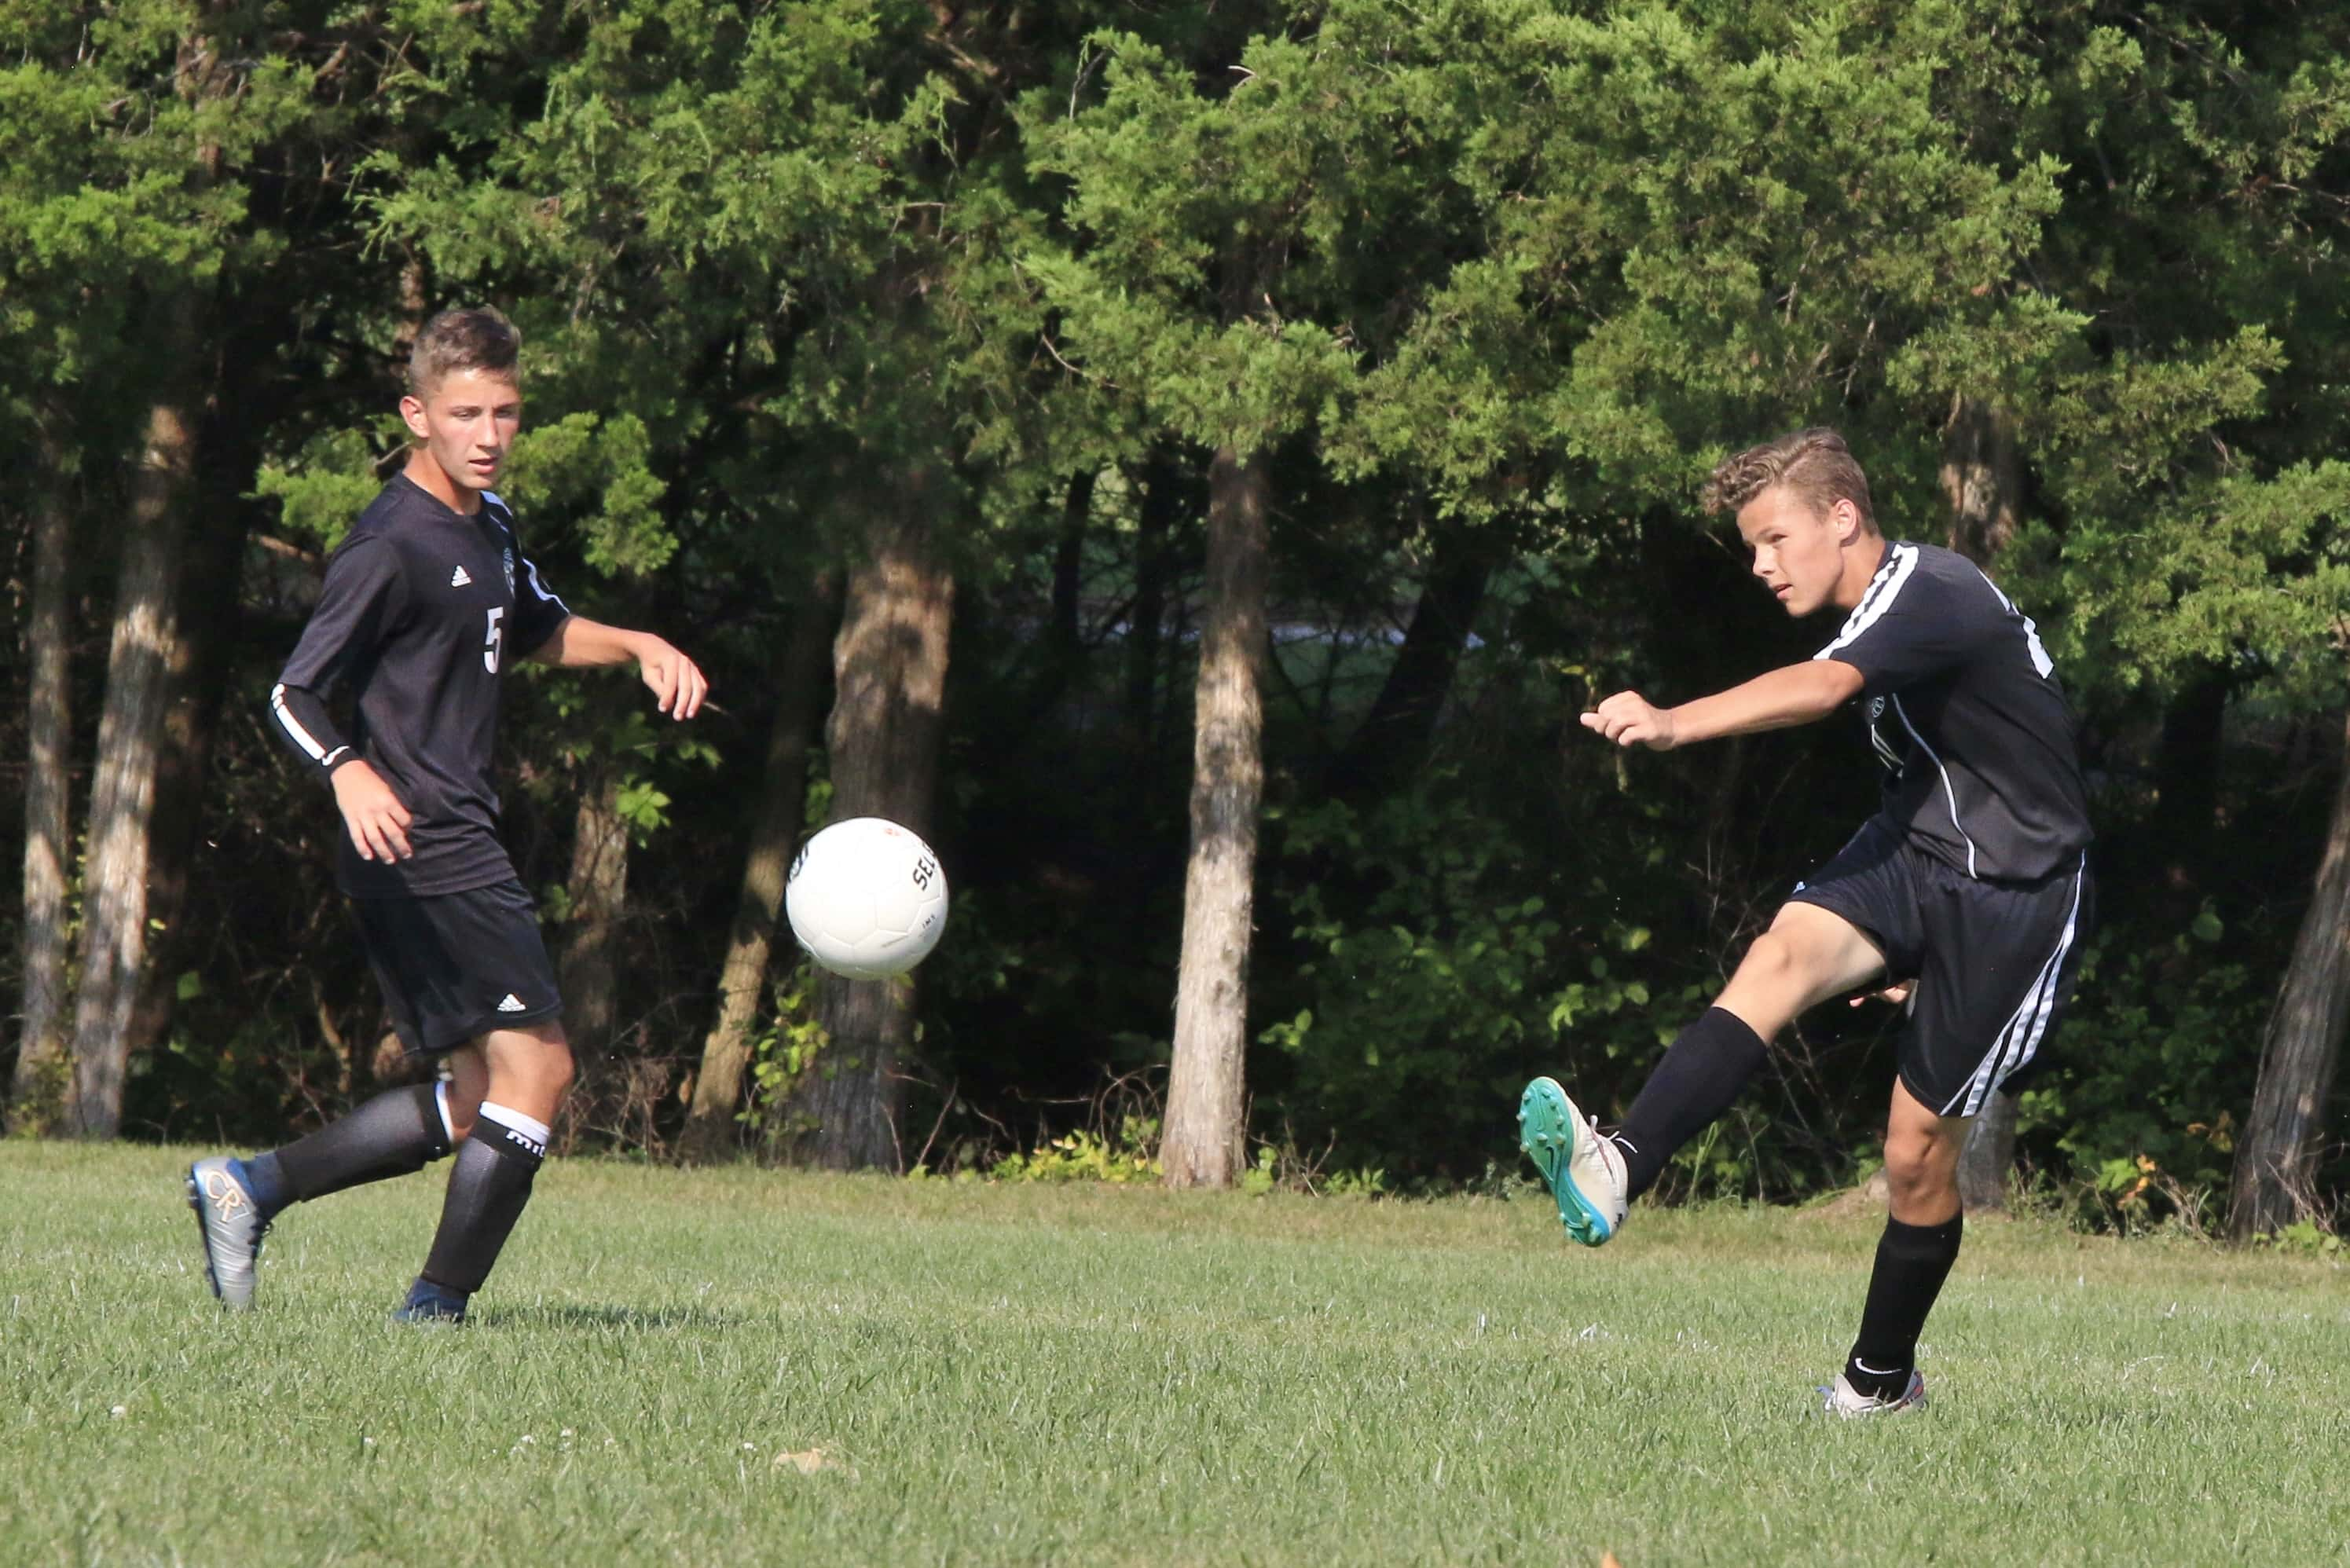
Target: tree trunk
x=37 y=1096
x=890 y=667
x=598 y=888
x=1205 y=1131
x=783 y=805
x=130 y=746
x=1981 y=478
x=1984 y=484
x=1068 y=574
x=1988 y=1156
x=1392 y=742
x=201 y=662
x=2277 y=1157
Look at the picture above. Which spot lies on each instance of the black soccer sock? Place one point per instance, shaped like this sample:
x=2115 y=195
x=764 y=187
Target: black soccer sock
x=1707 y=1068
x=486 y=1192
x=399 y=1131
x=1912 y=1262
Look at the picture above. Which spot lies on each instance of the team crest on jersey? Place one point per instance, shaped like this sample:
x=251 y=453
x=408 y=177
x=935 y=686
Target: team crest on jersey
x=509 y=570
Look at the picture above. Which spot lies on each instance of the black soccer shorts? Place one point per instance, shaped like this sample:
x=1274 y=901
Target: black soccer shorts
x=454 y=966
x=1994 y=962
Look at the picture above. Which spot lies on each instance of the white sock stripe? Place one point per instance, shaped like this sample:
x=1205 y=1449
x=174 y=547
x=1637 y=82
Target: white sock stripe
x=440 y=1104
x=293 y=726
x=531 y=1127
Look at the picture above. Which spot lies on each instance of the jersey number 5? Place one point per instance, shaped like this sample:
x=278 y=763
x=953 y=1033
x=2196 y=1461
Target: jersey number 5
x=497 y=636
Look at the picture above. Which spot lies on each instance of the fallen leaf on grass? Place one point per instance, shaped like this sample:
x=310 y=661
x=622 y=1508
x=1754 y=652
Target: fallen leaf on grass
x=808 y=1461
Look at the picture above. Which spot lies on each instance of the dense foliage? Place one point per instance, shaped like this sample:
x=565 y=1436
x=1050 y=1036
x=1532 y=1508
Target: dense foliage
x=1489 y=284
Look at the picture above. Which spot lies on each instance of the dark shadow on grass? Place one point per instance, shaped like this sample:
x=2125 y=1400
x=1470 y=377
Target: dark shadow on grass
x=637 y=1320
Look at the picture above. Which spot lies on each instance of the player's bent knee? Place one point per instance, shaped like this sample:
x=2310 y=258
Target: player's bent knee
x=1919 y=1166
x=1769 y=958
x=1777 y=974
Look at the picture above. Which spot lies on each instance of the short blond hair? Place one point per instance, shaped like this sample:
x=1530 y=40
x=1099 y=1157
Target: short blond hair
x=1814 y=464
x=478 y=337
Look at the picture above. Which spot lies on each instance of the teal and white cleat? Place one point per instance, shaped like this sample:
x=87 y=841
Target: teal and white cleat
x=1842 y=1400
x=231 y=1227
x=1584 y=1170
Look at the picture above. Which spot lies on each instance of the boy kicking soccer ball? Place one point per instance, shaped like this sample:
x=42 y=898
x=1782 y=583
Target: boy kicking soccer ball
x=425 y=602
x=1969 y=891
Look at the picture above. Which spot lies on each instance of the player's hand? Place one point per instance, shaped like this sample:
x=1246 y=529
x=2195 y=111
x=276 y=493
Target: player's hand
x=1629 y=719
x=677 y=684
x=1897 y=994
x=377 y=820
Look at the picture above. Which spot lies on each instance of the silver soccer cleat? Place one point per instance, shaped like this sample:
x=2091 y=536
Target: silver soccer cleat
x=1848 y=1402
x=232 y=1228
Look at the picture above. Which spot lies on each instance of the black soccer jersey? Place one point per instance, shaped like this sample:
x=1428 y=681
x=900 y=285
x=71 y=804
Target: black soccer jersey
x=1965 y=711
x=423 y=606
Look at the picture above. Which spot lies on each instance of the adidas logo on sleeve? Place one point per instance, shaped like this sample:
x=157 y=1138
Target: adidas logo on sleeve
x=513 y=1004
x=461 y=578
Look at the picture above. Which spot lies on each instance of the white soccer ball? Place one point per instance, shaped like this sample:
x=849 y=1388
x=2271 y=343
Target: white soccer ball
x=866 y=899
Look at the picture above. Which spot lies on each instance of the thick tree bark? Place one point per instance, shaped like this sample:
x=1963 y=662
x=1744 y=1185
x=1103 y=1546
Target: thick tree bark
x=201 y=662
x=1392 y=742
x=1984 y=484
x=783 y=805
x=890 y=667
x=2277 y=1157
x=37 y=1096
x=130 y=746
x=1203 y=1141
x=598 y=888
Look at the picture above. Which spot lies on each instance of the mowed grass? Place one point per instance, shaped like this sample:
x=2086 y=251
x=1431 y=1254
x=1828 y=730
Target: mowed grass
x=738 y=1366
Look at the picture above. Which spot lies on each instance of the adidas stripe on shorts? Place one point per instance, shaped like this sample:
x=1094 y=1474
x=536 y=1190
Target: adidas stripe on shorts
x=454 y=966
x=1994 y=961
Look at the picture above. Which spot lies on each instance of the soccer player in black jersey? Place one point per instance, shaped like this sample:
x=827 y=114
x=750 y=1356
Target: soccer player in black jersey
x=1968 y=896
x=426 y=603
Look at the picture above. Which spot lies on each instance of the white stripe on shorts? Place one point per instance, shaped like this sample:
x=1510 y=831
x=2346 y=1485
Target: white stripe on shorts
x=2019 y=1041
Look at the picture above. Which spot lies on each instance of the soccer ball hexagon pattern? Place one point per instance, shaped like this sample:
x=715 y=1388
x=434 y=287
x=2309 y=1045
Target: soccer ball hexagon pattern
x=866 y=899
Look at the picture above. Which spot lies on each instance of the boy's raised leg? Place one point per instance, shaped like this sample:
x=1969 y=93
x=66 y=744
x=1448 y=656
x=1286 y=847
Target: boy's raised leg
x=1808 y=955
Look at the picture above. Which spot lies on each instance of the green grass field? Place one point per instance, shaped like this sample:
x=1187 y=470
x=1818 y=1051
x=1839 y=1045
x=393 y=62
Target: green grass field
x=1020 y=1374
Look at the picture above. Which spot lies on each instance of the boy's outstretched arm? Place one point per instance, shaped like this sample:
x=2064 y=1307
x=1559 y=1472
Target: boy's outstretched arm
x=1793 y=694
x=675 y=680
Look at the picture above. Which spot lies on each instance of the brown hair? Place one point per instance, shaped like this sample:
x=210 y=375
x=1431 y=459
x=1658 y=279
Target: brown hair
x=478 y=338
x=1815 y=463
